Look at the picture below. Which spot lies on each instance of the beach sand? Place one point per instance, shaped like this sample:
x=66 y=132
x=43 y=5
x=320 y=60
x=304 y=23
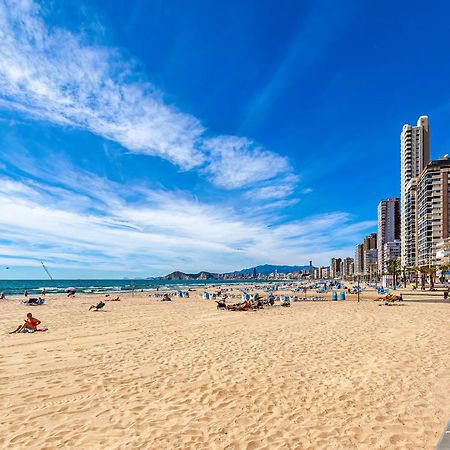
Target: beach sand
x=182 y=375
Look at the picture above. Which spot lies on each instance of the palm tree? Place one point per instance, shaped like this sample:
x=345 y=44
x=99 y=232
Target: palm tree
x=432 y=274
x=404 y=272
x=416 y=270
x=393 y=267
x=423 y=270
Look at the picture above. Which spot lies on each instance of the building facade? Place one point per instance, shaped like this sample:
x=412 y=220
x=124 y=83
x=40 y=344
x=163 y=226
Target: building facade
x=335 y=267
x=388 y=228
x=359 y=260
x=391 y=250
x=348 y=267
x=414 y=157
x=443 y=251
x=432 y=210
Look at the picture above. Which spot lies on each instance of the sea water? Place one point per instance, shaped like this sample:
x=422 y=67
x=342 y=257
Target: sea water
x=16 y=287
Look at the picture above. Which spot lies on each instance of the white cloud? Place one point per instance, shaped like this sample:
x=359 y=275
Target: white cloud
x=163 y=232
x=52 y=74
x=55 y=75
x=271 y=192
x=238 y=162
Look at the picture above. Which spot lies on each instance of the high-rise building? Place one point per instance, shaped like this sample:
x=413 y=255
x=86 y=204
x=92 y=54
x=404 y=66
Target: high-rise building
x=335 y=267
x=370 y=242
x=347 y=267
x=359 y=260
x=388 y=227
x=391 y=250
x=414 y=156
x=323 y=272
x=369 y=247
x=432 y=206
x=370 y=257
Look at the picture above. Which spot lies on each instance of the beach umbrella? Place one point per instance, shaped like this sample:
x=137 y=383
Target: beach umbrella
x=71 y=289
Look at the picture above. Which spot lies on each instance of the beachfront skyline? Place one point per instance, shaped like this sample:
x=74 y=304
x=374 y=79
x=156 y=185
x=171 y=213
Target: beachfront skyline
x=140 y=139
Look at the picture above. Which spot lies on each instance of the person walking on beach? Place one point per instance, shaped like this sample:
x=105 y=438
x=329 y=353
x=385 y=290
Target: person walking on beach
x=43 y=292
x=25 y=293
x=31 y=324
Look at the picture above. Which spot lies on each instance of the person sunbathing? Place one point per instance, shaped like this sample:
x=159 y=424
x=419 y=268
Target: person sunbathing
x=245 y=306
x=31 y=324
x=221 y=304
x=166 y=298
x=98 y=306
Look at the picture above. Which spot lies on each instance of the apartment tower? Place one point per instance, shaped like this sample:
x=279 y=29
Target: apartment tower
x=414 y=157
x=336 y=267
x=359 y=260
x=388 y=228
x=432 y=203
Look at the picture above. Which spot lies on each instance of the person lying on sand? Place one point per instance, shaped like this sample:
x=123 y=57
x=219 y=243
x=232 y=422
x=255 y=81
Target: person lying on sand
x=98 y=306
x=221 y=304
x=31 y=323
x=34 y=301
x=117 y=299
x=166 y=298
x=245 y=306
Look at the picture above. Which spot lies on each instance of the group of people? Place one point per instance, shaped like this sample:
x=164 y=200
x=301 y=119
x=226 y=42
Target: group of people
x=257 y=302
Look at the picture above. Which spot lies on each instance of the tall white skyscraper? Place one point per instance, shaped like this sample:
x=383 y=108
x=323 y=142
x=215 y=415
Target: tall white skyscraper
x=414 y=156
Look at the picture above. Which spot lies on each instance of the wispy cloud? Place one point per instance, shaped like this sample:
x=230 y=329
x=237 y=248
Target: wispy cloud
x=160 y=232
x=52 y=74
x=238 y=162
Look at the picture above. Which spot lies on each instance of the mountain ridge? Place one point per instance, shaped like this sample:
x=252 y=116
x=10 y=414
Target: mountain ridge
x=264 y=269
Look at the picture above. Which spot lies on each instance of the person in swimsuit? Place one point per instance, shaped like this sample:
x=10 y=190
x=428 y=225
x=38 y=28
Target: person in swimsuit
x=31 y=323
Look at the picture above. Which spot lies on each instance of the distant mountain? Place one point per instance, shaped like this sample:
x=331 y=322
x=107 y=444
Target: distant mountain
x=191 y=276
x=266 y=269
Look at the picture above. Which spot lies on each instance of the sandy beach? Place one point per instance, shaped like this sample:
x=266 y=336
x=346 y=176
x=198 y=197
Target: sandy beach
x=183 y=375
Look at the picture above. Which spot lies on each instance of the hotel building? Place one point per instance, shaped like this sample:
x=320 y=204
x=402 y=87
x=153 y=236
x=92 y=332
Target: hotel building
x=359 y=260
x=414 y=157
x=348 y=267
x=336 y=267
x=391 y=250
x=388 y=229
x=432 y=210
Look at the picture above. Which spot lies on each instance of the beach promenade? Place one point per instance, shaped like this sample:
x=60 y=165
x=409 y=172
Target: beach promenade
x=183 y=375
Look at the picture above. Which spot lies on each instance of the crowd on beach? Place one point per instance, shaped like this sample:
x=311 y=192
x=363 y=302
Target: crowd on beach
x=232 y=299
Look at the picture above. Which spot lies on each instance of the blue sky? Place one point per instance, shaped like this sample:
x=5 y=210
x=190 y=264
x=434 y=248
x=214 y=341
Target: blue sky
x=141 y=137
